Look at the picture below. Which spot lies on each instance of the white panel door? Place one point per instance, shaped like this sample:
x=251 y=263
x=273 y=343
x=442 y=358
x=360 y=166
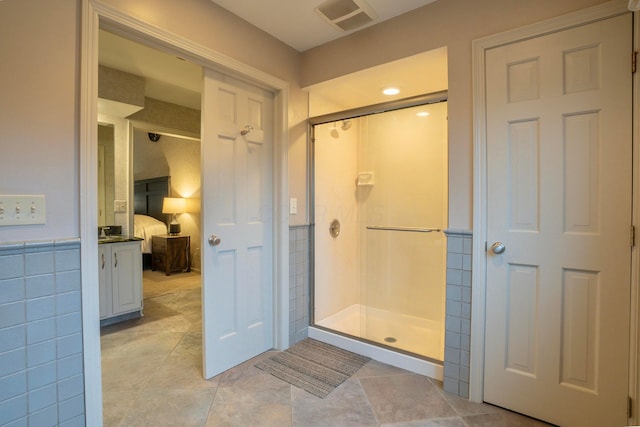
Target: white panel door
x=237 y=291
x=559 y=198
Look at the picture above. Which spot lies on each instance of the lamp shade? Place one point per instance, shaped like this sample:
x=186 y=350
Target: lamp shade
x=173 y=205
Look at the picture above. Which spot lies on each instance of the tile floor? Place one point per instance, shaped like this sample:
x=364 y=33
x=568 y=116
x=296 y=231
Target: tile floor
x=151 y=369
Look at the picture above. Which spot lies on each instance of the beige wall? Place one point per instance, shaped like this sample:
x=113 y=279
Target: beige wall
x=39 y=82
x=39 y=75
x=444 y=23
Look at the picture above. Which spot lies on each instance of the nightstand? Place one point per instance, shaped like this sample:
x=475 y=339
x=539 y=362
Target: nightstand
x=170 y=253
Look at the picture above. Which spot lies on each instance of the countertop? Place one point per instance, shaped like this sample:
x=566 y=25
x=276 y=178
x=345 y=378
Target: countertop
x=118 y=239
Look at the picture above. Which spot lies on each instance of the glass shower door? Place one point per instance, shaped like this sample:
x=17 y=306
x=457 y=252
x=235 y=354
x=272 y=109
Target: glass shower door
x=383 y=179
x=403 y=247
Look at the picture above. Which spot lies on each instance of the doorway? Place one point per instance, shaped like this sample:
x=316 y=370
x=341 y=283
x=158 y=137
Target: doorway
x=126 y=25
x=158 y=157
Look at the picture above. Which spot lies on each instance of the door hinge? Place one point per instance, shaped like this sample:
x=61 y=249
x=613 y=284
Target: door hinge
x=633 y=236
x=634 y=61
x=630 y=407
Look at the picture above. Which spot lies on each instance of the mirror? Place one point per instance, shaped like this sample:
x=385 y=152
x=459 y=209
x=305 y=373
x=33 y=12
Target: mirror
x=106 y=175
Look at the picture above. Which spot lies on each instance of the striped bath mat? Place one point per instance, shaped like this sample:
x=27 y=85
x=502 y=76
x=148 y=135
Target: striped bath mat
x=313 y=366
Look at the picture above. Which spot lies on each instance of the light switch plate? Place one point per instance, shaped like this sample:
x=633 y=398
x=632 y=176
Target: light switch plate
x=22 y=210
x=119 y=206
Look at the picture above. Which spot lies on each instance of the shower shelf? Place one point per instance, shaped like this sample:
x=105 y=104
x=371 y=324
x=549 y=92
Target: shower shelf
x=364 y=178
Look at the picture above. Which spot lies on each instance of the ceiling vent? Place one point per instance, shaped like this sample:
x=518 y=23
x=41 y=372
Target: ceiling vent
x=346 y=15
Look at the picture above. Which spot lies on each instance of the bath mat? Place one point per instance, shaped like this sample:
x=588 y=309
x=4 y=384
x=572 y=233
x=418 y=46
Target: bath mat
x=313 y=366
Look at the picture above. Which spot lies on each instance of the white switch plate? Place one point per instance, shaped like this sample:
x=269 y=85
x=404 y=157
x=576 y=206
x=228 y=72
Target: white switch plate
x=119 y=206
x=22 y=210
x=293 y=206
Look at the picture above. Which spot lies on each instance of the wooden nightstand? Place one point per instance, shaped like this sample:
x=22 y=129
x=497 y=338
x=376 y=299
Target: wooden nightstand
x=170 y=253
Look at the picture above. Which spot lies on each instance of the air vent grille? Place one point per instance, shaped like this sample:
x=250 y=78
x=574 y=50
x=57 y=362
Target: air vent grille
x=346 y=15
x=333 y=10
x=354 y=22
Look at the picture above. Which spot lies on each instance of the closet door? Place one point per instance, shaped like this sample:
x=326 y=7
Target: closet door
x=558 y=224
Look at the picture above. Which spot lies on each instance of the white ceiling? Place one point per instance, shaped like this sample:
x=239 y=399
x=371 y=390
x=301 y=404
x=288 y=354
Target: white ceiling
x=415 y=75
x=174 y=80
x=296 y=23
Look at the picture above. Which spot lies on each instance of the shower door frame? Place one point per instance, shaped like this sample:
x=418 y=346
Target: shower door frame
x=430 y=98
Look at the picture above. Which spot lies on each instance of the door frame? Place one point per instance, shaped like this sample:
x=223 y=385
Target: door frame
x=94 y=15
x=479 y=257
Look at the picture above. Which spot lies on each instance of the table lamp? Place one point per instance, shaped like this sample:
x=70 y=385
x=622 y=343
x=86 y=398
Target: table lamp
x=174 y=206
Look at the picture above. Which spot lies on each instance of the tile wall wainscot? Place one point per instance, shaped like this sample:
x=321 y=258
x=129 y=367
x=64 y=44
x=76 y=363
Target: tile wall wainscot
x=458 y=313
x=298 y=282
x=41 y=364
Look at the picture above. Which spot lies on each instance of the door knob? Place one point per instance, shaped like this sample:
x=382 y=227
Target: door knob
x=498 y=248
x=214 y=240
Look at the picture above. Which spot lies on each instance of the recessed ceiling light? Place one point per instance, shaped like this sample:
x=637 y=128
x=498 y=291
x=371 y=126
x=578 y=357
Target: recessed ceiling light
x=422 y=114
x=391 y=91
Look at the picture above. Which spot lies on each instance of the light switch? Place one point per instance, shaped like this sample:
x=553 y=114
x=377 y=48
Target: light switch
x=22 y=210
x=119 y=206
x=293 y=206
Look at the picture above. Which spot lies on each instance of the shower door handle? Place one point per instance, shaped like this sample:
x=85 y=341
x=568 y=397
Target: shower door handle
x=498 y=248
x=214 y=240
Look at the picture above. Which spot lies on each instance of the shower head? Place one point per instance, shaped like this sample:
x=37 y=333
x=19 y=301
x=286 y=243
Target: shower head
x=346 y=124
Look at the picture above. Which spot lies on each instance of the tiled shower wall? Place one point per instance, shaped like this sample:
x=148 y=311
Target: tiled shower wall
x=458 y=302
x=298 y=283
x=458 y=313
x=41 y=363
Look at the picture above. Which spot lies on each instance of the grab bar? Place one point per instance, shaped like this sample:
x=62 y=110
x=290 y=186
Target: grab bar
x=411 y=229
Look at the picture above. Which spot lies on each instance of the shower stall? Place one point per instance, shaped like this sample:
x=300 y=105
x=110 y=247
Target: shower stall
x=379 y=215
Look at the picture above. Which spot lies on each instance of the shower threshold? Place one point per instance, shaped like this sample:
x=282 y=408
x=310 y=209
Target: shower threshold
x=381 y=354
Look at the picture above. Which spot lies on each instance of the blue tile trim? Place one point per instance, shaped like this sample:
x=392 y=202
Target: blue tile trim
x=41 y=332
x=458 y=317
x=299 y=285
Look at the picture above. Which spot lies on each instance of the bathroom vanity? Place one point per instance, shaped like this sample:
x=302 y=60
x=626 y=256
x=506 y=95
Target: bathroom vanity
x=120 y=279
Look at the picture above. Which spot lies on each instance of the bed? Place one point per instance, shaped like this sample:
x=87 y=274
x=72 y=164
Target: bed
x=148 y=219
x=145 y=226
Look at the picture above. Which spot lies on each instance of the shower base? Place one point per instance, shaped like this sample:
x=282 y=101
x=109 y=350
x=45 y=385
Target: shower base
x=420 y=336
x=399 y=360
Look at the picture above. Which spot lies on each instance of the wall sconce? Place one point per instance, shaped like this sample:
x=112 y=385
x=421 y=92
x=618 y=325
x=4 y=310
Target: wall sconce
x=174 y=206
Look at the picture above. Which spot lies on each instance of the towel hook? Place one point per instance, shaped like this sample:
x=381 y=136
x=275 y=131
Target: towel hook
x=246 y=130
